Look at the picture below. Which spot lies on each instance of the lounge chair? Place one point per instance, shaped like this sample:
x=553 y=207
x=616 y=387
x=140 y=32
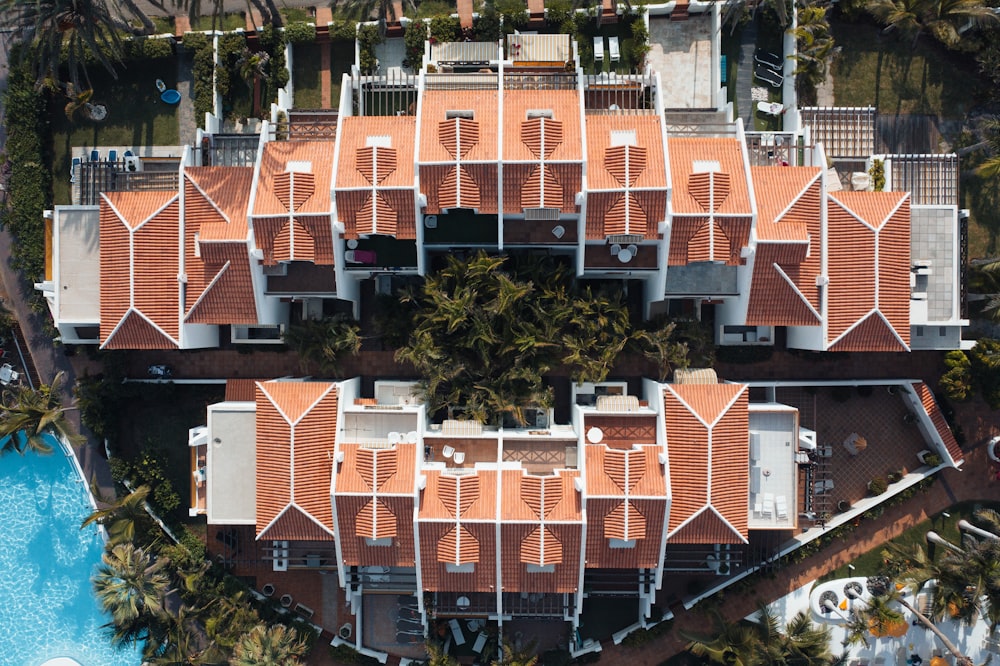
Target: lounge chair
x=768 y=76
x=598 y=49
x=73 y=168
x=768 y=508
x=112 y=155
x=360 y=256
x=772 y=60
x=781 y=507
x=616 y=54
x=95 y=155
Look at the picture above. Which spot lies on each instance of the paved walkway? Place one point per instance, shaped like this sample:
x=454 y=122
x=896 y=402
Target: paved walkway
x=187 y=122
x=744 y=76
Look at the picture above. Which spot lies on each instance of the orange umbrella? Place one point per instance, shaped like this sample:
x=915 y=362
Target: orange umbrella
x=939 y=661
x=896 y=629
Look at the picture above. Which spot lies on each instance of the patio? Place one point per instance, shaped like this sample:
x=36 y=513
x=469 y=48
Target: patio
x=681 y=51
x=391 y=623
x=837 y=413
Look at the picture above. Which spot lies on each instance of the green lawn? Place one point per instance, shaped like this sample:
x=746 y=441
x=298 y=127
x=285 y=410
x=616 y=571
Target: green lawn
x=871 y=562
x=623 y=30
x=306 y=75
x=886 y=72
x=229 y=22
x=136 y=117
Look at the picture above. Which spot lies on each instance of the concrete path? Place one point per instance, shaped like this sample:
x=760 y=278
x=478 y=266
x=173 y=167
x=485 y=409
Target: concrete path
x=187 y=123
x=744 y=76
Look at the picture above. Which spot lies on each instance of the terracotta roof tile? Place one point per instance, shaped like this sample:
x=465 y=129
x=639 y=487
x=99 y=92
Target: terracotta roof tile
x=476 y=497
x=301 y=238
x=357 y=132
x=313 y=157
x=216 y=201
x=139 y=309
x=612 y=472
x=708 y=449
x=788 y=198
x=356 y=551
x=434 y=139
x=648 y=136
x=294 y=524
x=437 y=578
x=940 y=423
x=646 y=552
x=515 y=574
x=397 y=466
x=622 y=431
x=728 y=153
x=241 y=390
x=294 y=451
x=698 y=238
x=779 y=294
x=868 y=265
x=522 y=134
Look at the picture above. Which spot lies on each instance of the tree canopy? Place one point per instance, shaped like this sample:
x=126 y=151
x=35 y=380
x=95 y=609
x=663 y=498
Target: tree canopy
x=484 y=332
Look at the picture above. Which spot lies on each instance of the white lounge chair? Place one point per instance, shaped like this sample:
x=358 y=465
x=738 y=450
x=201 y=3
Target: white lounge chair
x=781 y=507
x=613 y=48
x=598 y=49
x=768 y=508
x=448 y=451
x=459 y=457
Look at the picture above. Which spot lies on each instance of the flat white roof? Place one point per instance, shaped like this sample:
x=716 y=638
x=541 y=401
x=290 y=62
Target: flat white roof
x=774 y=435
x=231 y=464
x=76 y=233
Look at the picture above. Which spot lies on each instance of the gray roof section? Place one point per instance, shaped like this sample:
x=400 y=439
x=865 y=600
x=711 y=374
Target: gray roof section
x=932 y=236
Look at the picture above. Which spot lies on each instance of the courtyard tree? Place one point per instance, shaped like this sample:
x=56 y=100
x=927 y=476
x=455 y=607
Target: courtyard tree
x=325 y=342
x=486 y=330
x=764 y=642
x=945 y=20
x=269 y=645
x=131 y=586
x=123 y=517
x=659 y=344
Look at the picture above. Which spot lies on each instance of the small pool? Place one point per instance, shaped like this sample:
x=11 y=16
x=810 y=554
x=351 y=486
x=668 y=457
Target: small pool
x=47 y=606
x=170 y=96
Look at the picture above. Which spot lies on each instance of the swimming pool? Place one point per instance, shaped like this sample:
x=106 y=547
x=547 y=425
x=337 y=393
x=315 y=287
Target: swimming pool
x=47 y=605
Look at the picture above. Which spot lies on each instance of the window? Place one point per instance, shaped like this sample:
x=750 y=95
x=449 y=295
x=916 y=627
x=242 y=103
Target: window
x=541 y=568
x=379 y=543
x=620 y=543
x=468 y=114
x=460 y=568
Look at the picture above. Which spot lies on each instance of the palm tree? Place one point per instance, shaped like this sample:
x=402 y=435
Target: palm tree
x=325 y=341
x=76 y=30
x=731 y=645
x=764 y=643
x=815 y=44
x=274 y=645
x=946 y=20
x=438 y=657
x=660 y=346
x=27 y=415
x=120 y=517
x=512 y=657
x=131 y=586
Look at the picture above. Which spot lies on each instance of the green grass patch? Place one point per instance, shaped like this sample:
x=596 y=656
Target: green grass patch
x=432 y=8
x=164 y=24
x=294 y=14
x=624 y=33
x=341 y=60
x=871 y=563
x=307 y=76
x=228 y=22
x=136 y=117
x=886 y=72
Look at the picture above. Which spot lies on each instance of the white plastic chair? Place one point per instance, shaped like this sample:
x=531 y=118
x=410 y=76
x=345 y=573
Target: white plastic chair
x=459 y=457
x=448 y=451
x=613 y=47
x=558 y=231
x=768 y=508
x=598 y=49
x=781 y=507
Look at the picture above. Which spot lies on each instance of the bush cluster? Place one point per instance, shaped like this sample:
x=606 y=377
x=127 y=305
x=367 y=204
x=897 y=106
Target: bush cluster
x=29 y=185
x=413 y=38
x=368 y=38
x=445 y=28
x=300 y=32
x=343 y=29
x=272 y=40
x=204 y=67
x=147 y=48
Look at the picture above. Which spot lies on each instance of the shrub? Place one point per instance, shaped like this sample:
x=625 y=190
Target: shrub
x=204 y=67
x=368 y=38
x=877 y=173
x=445 y=28
x=29 y=186
x=343 y=29
x=487 y=27
x=414 y=38
x=300 y=32
x=877 y=486
x=140 y=48
x=514 y=14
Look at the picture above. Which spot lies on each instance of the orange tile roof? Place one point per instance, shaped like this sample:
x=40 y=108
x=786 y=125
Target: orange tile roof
x=940 y=423
x=216 y=201
x=788 y=259
x=273 y=181
x=353 y=545
x=515 y=572
x=522 y=187
x=708 y=449
x=623 y=431
x=600 y=158
x=523 y=136
x=646 y=552
x=140 y=309
x=606 y=213
x=396 y=469
x=355 y=135
x=689 y=188
x=437 y=132
x=294 y=458
x=241 y=390
x=474 y=500
x=542 y=502
x=621 y=473
x=869 y=263
x=435 y=574
x=299 y=238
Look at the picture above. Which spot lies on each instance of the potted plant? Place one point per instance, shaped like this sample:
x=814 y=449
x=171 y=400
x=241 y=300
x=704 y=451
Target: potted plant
x=894 y=476
x=929 y=458
x=877 y=486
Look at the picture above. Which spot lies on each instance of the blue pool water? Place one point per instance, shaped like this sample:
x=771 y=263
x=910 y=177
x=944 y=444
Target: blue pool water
x=47 y=605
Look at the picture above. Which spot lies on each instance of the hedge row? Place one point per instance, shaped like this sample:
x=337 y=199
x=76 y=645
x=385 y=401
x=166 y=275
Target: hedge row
x=204 y=66
x=29 y=187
